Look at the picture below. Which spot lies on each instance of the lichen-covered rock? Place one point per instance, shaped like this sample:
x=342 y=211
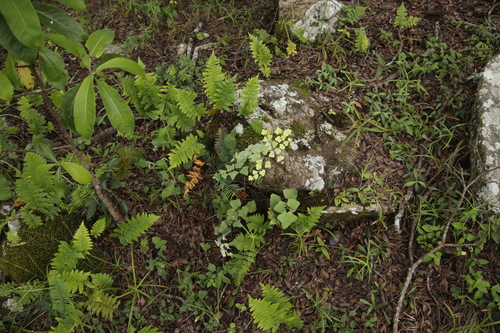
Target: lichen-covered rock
x=311 y=17
x=317 y=159
x=486 y=135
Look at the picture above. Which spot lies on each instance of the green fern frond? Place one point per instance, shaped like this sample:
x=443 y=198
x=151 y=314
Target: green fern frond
x=212 y=75
x=81 y=240
x=239 y=265
x=403 y=20
x=185 y=150
x=28 y=217
x=69 y=322
x=75 y=280
x=148 y=329
x=66 y=258
x=185 y=100
x=60 y=294
x=250 y=97
x=353 y=14
x=102 y=280
x=129 y=231
x=224 y=94
x=225 y=144
x=37 y=124
x=179 y=120
x=25 y=293
x=361 y=42
x=261 y=54
x=98 y=227
x=102 y=304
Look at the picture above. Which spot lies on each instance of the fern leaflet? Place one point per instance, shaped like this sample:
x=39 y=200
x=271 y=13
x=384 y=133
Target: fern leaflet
x=185 y=100
x=361 y=42
x=129 y=231
x=403 y=20
x=353 y=14
x=185 y=151
x=212 y=75
x=81 y=240
x=261 y=54
x=240 y=265
x=75 y=280
x=66 y=258
x=102 y=304
x=250 y=95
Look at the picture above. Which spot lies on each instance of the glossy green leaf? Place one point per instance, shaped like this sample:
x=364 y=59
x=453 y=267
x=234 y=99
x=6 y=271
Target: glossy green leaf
x=119 y=113
x=23 y=21
x=5 y=189
x=98 y=40
x=78 y=172
x=53 y=68
x=84 y=108
x=67 y=108
x=124 y=64
x=75 y=4
x=13 y=45
x=67 y=44
x=6 y=88
x=59 y=21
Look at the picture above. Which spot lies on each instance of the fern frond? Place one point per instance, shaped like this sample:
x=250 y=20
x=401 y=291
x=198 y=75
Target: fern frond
x=98 y=227
x=69 y=322
x=225 y=94
x=225 y=144
x=36 y=198
x=60 y=294
x=353 y=14
x=361 y=42
x=212 y=75
x=240 y=265
x=102 y=280
x=402 y=19
x=129 y=231
x=81 y=240
x=250 y=97
x=185 y=100
x=148 y=329
x=75 y=280
x=185 y=150
x=102 y=304
x=28 y=217
x=261 y=54
x=37 y=124
x=179 y=120
x=194 y=175
x=66 y=258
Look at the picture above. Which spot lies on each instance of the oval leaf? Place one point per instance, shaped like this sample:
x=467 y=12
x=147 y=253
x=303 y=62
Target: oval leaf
x=124 y=64
x=6 y=88
x=59 y=21
x=79 y=173
x=75 y=4
x=40 y=172
x=67 y=107
x=98 y=40
x=53 y=68
x=117 y=109
x=11 y=73
x=23 y=21
x=13 y=45
x=84 y=108
x=69 y=45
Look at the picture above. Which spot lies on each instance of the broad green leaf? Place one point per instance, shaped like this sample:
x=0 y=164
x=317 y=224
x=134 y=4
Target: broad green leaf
x=11 y=73
x=23 y=21
x=286 y=219
x=290 y=193
x=59 y=21
x=98 y=40
x=69 y=45
x=117 y=109
x=78 y=172
x=53 y=68
x=6 y=88
x=13 y=45
x=5 y=188
x=84 y=108
x=75 y=4
x=67 y=107
x=40 y=172
x=43 y=146
x=124 y=64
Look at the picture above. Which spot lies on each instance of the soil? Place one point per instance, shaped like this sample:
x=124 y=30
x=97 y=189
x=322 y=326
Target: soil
x=430 y=307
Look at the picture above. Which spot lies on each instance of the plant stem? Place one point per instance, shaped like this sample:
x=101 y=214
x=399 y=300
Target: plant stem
x=117 y=216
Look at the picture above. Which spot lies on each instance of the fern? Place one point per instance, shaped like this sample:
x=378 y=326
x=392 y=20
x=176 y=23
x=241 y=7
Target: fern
x=129 y=231
x=66 y=258
x=98 y=227
x=148 y=329
x=361 y=42
x=143 y=93
x=81 y=240
x=60 y=294
x=220 y=90
x=261 y=54
x=185 y=150
x=225 y=94
x=75 y=280
x=37 y=124
x=273 y=310
x=239 y=265
x=403 y=20
x=185 y=100
x=225 y=144
x=250 y=95
x=102 y=304
x=212 y=75
x=353 y=14
x=36 y=198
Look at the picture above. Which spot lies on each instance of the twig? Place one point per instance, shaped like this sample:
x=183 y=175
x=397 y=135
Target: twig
x=69 y=140
x=490 y=11
x=438 y=248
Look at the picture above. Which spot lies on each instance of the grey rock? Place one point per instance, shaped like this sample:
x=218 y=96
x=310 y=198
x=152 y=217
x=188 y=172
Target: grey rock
x=486 y=136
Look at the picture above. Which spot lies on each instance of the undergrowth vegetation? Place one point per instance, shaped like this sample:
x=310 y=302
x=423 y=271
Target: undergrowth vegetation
x=56 y=171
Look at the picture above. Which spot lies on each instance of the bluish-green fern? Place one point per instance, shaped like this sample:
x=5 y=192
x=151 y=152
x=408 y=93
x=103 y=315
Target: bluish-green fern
x=130 y=230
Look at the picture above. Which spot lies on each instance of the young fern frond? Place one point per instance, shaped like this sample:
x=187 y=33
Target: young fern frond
x=81 y=240
x=185 y=151
x=353 y=14
x=361 y=41
x=261 y=54
x=403 y=20
x=250 y=97
x=130 y=230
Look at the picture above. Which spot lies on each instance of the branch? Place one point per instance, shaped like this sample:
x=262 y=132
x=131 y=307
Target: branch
x=69 y=141
x=441 y=246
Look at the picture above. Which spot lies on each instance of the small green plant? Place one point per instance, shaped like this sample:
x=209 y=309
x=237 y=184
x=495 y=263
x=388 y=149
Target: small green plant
x=365 y=258
x=403 y=20
x=261 y=54
x=273 y=310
